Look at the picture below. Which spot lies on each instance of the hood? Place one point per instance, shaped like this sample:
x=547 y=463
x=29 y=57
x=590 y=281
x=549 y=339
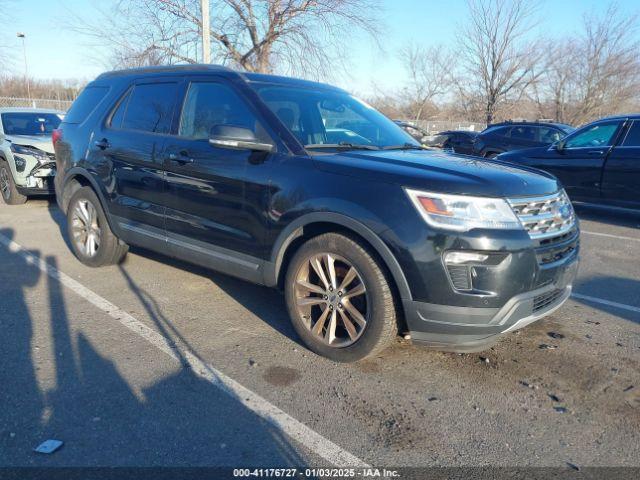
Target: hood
x=441 y=172
x=42 y=142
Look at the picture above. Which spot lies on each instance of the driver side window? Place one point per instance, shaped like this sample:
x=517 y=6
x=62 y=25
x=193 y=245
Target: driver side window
x=600 y=135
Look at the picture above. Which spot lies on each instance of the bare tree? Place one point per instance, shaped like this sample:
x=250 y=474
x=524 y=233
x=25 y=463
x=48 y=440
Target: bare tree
x=291 y=36
x=498 y=62
x=429 y=73
x=607 y=71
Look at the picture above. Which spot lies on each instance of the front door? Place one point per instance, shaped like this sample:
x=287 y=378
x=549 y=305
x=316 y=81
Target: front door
x=578 y=164
x=621 y=177
x=216 y=198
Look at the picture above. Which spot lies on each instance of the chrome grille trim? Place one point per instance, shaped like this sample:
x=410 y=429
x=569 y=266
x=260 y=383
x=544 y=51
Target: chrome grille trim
x=544 y=216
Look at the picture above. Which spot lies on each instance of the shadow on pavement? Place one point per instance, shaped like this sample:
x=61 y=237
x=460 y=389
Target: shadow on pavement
x=594 y=285
x=69 y=388
x=609 y=217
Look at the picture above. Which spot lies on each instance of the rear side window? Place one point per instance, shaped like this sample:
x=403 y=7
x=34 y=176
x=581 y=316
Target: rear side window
x=633 y=135
x=523 y=133
x=86 y=103
x=496 y=131
x=149 y=108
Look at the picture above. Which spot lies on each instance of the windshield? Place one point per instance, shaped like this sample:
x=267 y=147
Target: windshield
x=29 y=123
x=324 y=118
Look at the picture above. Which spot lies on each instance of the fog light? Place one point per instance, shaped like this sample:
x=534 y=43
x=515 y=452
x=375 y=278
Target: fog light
x=457 y=258
x=20 y=163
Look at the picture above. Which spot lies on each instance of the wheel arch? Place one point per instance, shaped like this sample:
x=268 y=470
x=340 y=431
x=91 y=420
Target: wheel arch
x=313 y=224
x=82 y=178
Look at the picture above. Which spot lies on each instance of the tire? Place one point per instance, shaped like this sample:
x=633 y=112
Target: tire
x=8 y=189
x=315 y=309
x=104 y=248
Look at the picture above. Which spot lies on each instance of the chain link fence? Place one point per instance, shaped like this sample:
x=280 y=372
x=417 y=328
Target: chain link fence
x=36 y=103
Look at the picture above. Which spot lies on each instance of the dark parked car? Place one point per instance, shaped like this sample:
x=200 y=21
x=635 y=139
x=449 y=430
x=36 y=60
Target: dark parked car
x=598 y=164
x=503 y=137
x=414 y=130
x=458 y=141
x=233 y=171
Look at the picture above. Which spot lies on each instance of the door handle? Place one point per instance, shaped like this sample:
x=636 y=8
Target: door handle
x=102 y=144
x=181 y=158
x=595 y=152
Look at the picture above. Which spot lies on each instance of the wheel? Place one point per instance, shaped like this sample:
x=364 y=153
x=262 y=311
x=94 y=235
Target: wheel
x=92 y=241
x=339 y=299
x=10 y=193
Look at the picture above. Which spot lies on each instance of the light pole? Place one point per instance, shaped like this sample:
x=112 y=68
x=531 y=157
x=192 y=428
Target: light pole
x=206 y=30
x=26 y=69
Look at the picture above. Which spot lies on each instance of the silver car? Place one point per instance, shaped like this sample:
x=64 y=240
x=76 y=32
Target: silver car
x=27 y=159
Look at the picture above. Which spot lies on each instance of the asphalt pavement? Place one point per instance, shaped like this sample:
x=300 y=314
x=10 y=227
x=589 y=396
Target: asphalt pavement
x=156 y=362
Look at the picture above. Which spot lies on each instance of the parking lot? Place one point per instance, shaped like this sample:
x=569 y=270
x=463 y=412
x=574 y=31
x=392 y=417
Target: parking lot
x=158 y=362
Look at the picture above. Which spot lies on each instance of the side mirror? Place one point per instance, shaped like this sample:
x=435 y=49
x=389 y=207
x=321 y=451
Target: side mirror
x=237 y=138
x=559 y=146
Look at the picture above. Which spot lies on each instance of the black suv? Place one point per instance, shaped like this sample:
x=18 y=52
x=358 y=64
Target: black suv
x=503 y=137
x=367 y=236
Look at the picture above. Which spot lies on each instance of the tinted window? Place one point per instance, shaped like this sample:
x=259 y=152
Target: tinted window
x=523 y=133
x=209 y=104
x=496 y=131
x=550 y=135
x=85 y=104
x=599 y=135
x=118 y=115
x=150 y=107
x=29 y=123
x=633 y=136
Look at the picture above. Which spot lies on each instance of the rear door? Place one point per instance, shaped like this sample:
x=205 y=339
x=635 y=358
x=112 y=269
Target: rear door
x=621 y=176
x=217 y=198
x=130 y=143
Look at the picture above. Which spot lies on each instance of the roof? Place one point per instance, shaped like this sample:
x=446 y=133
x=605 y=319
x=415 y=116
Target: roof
x=29 y=110
x=209 y=68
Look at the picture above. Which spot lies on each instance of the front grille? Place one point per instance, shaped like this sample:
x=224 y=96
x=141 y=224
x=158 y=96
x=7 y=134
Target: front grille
x=544 y=217
x=544 y=300
x=460 y=277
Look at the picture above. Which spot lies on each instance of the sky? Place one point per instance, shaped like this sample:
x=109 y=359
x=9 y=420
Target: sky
x=55 y=52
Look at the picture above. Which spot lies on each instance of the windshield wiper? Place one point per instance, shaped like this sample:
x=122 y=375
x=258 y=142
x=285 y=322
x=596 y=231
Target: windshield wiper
x=342 y=146
x=405 y=146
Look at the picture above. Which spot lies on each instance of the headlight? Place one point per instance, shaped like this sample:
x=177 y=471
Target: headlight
x=39 y=155
x=462 y=213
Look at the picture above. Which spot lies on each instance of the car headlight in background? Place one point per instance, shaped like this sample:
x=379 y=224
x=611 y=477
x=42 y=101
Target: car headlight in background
x=462 y=212
x=38 y=154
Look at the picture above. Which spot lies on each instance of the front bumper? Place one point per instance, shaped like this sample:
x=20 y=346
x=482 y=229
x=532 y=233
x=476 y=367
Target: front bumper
x=39 y=181
x=468 y=329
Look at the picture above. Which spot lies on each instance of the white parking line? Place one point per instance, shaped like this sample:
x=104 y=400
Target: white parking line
x=610 y=235
x=298 y=431
x=602 y=301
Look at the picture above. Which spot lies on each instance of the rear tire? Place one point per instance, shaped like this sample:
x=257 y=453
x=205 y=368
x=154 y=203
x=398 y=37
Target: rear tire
x=348 y=315
x=91 y=238
x=8 y=188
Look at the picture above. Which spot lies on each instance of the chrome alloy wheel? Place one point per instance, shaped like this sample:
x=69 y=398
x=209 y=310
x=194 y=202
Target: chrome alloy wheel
x=331 y=299
x=85 y=228
x=5 y=186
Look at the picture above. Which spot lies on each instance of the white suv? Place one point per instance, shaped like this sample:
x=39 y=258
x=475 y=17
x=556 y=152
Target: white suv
x=27 y=160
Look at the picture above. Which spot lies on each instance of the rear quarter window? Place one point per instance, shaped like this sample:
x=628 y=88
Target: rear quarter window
x=85 y=104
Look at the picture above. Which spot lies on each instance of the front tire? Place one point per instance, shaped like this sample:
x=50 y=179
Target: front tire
x=339 y=299
x=8 y=188
x=92 y=240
